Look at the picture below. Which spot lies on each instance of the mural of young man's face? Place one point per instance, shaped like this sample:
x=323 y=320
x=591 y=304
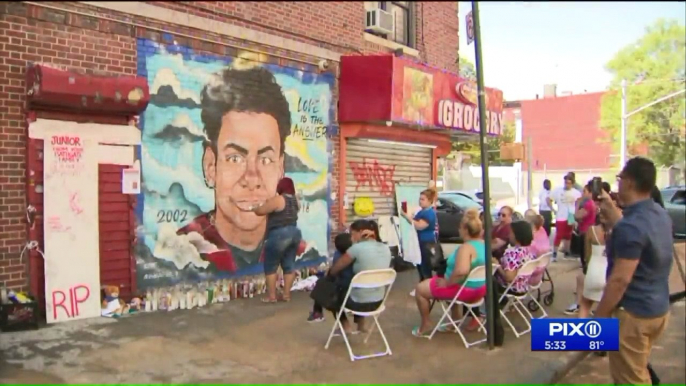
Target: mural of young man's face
x=244 y=170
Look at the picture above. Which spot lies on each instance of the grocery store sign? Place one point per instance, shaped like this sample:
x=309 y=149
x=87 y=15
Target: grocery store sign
x=462 y=113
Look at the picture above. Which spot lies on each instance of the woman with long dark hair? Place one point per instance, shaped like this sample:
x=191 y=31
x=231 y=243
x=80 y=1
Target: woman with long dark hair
x=282 y=239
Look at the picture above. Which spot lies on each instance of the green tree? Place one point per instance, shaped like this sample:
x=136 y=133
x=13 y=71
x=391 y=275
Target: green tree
x=467 y=69
x=492 y=144
x=653 y=67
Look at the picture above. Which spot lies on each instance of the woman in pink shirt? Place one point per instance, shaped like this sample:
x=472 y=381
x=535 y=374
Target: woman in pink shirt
x=541 y=242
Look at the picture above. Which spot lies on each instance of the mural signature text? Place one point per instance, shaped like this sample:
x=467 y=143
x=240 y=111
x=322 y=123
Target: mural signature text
x=172 y=215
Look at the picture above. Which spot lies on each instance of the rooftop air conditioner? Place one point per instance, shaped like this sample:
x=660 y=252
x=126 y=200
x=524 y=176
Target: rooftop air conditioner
x=380 y=21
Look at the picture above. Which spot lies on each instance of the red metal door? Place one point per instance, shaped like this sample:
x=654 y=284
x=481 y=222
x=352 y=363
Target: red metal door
x=117 y=231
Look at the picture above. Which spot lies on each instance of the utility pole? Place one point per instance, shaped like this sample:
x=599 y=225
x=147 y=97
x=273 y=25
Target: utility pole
x=529 y=173
x=622 y=145
x=491 y=313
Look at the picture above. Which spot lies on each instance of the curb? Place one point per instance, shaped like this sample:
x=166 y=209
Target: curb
x=565 y=365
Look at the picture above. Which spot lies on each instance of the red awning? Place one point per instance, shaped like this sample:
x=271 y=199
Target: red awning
x=378 y=88
x=54 y=89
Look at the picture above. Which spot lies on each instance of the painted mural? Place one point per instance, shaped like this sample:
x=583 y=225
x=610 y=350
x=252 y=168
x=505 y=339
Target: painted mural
x=417 y=96
x=218 y=134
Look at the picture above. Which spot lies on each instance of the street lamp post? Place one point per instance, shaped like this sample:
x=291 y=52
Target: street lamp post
x=625 y=117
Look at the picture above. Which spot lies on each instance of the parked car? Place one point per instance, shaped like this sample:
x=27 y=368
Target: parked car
x=450 y=209
x=675 y=204
x=476 y=196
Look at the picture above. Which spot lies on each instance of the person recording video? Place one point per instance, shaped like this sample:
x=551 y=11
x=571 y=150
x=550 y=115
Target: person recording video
x=639 y=252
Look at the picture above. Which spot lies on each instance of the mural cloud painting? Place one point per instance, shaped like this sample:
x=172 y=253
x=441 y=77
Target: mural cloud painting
x=215 y=141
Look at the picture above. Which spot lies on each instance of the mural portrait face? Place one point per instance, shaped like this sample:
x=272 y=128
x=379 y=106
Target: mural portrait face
x=217 y=136
x=246 y=121
x=244 y=171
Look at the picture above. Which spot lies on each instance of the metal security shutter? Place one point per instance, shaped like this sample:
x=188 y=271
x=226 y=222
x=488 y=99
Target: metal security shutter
x=373 y=168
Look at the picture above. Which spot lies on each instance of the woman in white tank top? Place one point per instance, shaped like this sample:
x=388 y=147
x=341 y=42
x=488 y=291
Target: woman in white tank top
x=594 y=282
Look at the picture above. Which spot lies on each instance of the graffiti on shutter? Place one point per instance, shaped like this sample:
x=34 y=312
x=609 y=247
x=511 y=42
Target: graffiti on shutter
x=373 y=169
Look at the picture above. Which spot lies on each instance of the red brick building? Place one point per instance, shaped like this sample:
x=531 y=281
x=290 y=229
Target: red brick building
x=564 y=130
x=130 y=39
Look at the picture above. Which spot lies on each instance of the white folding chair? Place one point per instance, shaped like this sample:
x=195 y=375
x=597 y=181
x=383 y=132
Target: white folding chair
x=379 y=278
x=477 y=274
x=536 y=280
x=515 y=300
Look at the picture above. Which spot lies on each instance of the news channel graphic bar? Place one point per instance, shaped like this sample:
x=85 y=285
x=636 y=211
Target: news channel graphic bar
x=600 y=334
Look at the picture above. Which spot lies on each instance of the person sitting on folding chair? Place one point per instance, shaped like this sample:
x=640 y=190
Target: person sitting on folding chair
x=468 y=256
x=513 y=259
x=367 y=253
x=342 y=242
x=541 y=241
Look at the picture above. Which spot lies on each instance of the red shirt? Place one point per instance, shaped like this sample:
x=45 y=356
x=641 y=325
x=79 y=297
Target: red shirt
x=228 y=257
x=501 y=232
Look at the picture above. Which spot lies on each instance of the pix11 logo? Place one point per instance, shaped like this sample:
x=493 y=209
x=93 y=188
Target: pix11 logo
x=600 y=334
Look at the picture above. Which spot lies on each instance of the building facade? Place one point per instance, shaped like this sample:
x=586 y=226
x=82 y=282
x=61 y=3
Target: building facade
x=140 y=81
x=565 y=135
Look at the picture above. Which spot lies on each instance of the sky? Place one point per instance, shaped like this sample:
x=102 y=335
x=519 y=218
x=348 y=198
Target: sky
x=529 y=44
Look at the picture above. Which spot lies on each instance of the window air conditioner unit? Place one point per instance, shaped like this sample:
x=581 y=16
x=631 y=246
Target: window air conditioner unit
x=380 y=21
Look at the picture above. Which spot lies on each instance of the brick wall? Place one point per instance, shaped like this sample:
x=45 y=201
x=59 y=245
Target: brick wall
x=335 y=25
x=89 y=43
x=32 y=34
x=437 y=33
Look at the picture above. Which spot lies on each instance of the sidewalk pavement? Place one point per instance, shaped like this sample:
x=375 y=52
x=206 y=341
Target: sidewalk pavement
x=668 y=358
x=245 y=341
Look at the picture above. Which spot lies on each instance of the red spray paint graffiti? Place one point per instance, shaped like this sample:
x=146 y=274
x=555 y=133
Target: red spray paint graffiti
x=373 y=174
x=74 y=203
x=73 y=298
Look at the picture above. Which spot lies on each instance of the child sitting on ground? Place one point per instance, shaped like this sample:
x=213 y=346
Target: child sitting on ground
x=343 y=241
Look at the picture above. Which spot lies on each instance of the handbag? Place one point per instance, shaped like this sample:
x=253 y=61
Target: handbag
x=326 y=293
x=570 y=219
x=436 y=255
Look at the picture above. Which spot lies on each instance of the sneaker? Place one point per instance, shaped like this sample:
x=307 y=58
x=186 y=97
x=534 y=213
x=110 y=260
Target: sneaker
x=572 y=309
x=315 y=317
x=412 y=293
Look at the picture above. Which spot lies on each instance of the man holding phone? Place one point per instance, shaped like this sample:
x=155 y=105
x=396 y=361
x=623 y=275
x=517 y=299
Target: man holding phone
x=639 y=255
